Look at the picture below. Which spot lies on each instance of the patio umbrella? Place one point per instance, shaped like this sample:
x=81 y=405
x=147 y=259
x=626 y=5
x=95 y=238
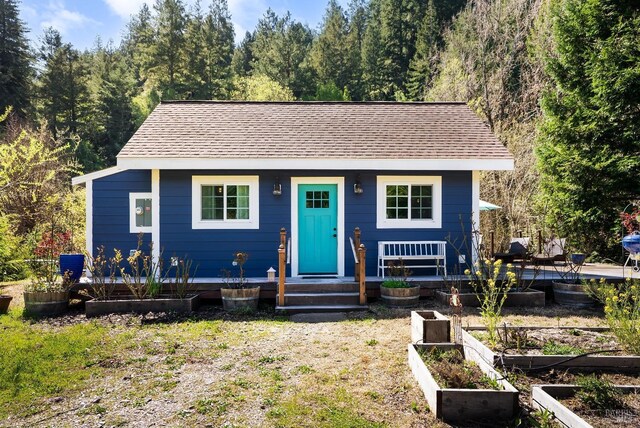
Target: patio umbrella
x=488 y=206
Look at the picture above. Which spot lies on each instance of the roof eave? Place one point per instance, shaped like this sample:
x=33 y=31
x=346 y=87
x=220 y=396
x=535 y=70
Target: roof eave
x=173 y=163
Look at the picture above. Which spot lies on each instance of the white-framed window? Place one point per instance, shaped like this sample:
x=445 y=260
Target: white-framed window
x=225 y=202
x=407 y=202
x=140 y=213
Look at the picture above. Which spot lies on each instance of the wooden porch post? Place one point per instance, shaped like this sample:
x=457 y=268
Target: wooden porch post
x=282 y=260
x=362 y=252
x=283 y=236
x=356 y=235
x=493 y=241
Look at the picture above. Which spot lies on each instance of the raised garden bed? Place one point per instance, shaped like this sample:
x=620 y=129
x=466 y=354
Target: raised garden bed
x=565 y=356
x=430 y=327
x=463 y=404
x=559 y=399
x=529 y=298
x=122 y=304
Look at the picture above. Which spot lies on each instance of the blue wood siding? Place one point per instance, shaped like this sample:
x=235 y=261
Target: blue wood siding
x=111 y=210
x=212 y=250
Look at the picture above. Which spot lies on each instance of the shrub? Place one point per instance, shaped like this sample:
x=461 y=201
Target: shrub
x=621 y=309
x=598 y=394
x=12 y=265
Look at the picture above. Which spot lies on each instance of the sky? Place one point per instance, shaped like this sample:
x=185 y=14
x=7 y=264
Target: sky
x=81 y=21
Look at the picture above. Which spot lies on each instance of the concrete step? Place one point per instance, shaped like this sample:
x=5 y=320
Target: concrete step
x=300 y=309
x=334 y=287
x=320 y=299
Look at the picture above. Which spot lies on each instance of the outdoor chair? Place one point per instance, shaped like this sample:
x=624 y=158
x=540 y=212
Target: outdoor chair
x=553 y=251
x=518 y=250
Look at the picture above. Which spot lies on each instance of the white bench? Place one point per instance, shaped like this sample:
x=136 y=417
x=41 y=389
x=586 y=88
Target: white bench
x=410 y=251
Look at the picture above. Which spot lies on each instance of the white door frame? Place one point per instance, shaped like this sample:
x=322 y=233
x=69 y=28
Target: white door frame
x=295 y=182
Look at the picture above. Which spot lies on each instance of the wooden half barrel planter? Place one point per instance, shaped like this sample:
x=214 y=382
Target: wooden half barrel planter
x=469 y=299
x=5 y=301
x=401 y=297
x=545 y=397
x=430 y=327
x=458 y=404
x=479 y=352
x=129 y=304
x=239 y=299
x=43 y=303
x=573 y=295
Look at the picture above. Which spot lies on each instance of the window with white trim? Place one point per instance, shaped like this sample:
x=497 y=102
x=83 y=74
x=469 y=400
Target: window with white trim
x=225 y=202
x=140 y=213
x=409 y=202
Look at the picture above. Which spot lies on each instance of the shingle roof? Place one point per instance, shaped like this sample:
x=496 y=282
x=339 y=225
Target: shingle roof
x=327 y=130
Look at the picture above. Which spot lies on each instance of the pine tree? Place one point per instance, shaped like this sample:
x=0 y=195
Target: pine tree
x=329 y=55
x=357 y=17
x=372 y=56
x=195 y=47
x=422 y=66
x=219 y=39
x=170 y=21
x=139 y=43
x=243 y=56
x=15 y=60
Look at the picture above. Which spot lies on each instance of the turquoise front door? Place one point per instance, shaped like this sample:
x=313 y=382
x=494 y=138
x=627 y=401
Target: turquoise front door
x=317 y=226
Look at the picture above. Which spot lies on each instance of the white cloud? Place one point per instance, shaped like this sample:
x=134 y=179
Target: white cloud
x=56 y=15
x=126 y=8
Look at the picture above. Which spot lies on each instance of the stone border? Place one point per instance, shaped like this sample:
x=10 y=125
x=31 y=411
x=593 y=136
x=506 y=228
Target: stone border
x=451 y=404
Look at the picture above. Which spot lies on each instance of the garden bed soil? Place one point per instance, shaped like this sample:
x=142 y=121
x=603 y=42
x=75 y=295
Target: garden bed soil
x=94 y=308
x=462 y=404
x=479 y=351
x=570 y=411
x=528 y=298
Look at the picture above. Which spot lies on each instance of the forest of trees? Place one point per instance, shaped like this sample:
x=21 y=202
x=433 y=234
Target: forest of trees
x=555 y=80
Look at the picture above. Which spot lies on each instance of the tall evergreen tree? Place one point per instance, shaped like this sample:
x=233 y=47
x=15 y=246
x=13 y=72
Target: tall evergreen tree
x=15 y=60
x=170 y=21
x=219 y=39
x=243 y=56
x=357 y=17
x=195 y=47
x=422 y=66
x=589 y=152
x=329 y=55
x=139 y=43
x=373 y=59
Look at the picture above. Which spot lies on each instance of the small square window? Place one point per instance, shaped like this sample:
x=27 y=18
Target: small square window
x=140 y=213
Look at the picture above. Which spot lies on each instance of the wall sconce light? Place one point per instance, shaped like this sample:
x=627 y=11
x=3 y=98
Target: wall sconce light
x=357 y=187
x=277 y=187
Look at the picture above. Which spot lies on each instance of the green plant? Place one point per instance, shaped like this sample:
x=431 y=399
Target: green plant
x=44 y=263
x=145 y=279
x=552 y=348
x=621 y=309
x=491 y=283
x=451 y=370
x=372 y=342
x=513 y=338
x=182 y=283
x=398 y=276
x=12 y=265
x=598 y=394
x=542 y=418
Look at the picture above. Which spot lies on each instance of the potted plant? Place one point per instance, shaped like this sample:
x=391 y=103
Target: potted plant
x=5 y=300
x=237 y=294
x=397 y=291
x=571 y=290
x=48 y=292
x=71 y=260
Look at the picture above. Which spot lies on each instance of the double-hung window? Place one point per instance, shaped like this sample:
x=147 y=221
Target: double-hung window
x=225 y=202
x=409 y=202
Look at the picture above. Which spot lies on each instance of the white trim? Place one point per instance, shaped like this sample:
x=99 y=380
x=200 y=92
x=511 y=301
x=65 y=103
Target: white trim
x=132 y=212
x=88 y=226
x=253 y=181
x=155 y=215
x=295 y=182
x=475 y=211
x=381 y=202
x=95 y=175
x=316 y=164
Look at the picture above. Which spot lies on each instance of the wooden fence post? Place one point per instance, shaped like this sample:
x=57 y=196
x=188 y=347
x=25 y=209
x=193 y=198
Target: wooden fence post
x=362 y=252
x=493 y=243
x=356 y=235
x=282 y=265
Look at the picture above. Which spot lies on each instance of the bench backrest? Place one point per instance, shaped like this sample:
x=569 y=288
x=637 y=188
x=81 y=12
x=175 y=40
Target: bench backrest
x=411 y=248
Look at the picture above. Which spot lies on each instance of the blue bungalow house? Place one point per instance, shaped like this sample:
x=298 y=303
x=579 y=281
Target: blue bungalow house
x=210 y=178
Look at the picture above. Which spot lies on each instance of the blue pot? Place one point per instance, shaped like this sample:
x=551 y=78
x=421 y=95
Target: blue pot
x=631 y=243
x=578 y=258
x=73 y=264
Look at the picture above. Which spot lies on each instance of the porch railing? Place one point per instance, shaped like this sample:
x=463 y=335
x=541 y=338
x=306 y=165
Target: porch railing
x=282 y=266
x=359 y=257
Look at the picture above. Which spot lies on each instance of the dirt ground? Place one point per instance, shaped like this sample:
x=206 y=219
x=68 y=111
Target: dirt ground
x=258 y=371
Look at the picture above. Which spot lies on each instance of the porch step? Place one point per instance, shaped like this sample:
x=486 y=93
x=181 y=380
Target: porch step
x=300 y=309
x=320 y=299
x=319 y=287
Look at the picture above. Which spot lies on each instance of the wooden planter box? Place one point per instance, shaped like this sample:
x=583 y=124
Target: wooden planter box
x=94 y=308
x=478 y=351
x=45 y=303
x=453 y=405
x=430 y=327
x=529 y=298
x=545 y=397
